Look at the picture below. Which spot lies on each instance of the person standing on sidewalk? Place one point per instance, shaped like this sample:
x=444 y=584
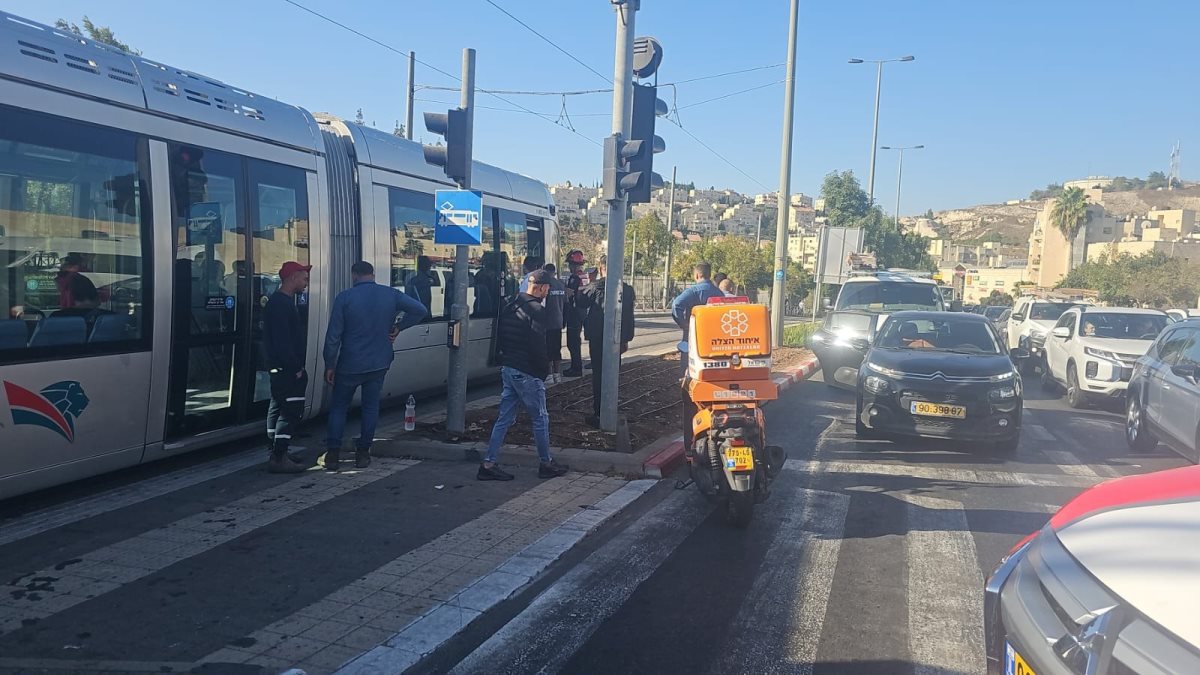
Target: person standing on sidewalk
x=694 y=296
x=358 y=353
x=591 y=300
x=555 y=304
x=524 y=365
x=284 y=345
x=574 y=317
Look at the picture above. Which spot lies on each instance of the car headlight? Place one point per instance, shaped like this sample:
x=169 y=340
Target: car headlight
x=1003 y=393
x=1003 y=377
x=1039 y=334
x=884 y=371
x=876 y=384
x=1100 y=354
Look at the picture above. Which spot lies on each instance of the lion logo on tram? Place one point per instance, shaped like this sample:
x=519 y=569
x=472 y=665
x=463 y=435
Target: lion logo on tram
x=55 y=407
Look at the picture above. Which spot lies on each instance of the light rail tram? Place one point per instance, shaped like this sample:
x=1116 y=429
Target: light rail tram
x=144 y=214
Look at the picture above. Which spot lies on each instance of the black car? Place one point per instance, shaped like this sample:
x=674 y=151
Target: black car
x=940 y=375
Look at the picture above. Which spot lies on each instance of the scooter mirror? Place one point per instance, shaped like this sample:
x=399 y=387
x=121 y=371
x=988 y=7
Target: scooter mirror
x=682 y=346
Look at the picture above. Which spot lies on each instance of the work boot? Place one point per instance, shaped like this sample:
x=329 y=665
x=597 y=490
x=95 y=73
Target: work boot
x=362 y=458
x=281 y=463
x=332 y=459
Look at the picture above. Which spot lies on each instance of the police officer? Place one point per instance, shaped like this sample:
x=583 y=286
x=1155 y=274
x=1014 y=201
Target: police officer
x=573 y=314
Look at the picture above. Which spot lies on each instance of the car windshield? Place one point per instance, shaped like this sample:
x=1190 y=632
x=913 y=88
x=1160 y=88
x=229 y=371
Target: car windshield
x=852 y=322
x=994 y=311
x=947 y=335
x=890 y=296
x=1122 y=326
x=1048 y=311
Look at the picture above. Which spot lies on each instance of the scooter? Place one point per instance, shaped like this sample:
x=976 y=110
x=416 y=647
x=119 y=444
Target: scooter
x=728 y=379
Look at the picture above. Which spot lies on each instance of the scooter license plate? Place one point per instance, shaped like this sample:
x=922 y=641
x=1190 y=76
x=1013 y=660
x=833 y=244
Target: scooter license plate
x=739 y=458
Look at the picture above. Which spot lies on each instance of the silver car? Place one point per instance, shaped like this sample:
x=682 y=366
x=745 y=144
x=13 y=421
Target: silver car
x=1163 y=399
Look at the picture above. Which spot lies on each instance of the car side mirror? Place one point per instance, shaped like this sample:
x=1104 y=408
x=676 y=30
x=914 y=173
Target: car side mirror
x=1061 y=332
x=1019 y=353
x=1017 y=317
x=1189 y=373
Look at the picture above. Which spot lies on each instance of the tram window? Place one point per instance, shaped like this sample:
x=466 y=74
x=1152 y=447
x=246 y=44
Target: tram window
x=74 y=215
x=514 y=248
x=419 y=266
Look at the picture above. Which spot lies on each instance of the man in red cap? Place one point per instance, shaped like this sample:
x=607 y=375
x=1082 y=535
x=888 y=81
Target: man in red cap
x=284 y=344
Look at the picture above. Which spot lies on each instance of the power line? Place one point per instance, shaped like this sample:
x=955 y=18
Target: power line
x=388 y=47
x=550 y=42
x=518 y=92
x=719 y=155
x=723 y=96
x=732 y=72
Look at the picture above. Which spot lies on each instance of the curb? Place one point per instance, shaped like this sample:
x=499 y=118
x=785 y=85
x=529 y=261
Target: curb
x=670 y=458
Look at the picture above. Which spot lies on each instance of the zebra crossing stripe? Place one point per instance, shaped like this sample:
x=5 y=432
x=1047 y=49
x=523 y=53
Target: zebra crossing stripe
x=945 y=604
x=943 y=473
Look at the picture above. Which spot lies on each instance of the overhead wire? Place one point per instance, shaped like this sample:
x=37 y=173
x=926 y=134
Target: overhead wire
x=456 y=78
x=549 y=41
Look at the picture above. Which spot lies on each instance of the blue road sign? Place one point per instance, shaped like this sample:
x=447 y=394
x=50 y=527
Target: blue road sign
x=459 y=217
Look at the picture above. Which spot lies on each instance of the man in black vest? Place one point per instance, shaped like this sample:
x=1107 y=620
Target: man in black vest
x=524 y=365
x=591 y=300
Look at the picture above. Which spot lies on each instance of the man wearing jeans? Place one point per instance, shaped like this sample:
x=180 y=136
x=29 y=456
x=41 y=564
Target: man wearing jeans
x=358 y=353
x=521 y=335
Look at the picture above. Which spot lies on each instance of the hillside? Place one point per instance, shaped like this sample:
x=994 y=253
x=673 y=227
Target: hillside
x=1013 y=223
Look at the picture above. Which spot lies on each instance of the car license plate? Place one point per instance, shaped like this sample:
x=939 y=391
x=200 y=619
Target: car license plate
x=739 y=458
x=937 y=410
x=1014 y=664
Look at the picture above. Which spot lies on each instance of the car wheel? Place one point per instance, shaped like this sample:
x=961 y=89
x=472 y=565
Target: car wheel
x=1008 y=446
x=1075 y=396
x=1137 y=435
x=1049 y=384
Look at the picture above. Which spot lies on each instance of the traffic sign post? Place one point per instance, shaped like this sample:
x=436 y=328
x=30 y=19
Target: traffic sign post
x=459 y=217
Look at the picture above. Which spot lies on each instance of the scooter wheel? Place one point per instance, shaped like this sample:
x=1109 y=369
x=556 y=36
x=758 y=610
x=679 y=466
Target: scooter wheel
x=740 y=508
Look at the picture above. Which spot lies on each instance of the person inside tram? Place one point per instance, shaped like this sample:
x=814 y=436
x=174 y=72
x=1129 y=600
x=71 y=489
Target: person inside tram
x=85 y=300
x=420 y=284
x=72 y=265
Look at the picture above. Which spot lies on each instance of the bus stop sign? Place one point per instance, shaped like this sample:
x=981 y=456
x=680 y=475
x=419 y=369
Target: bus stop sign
x=459 y=217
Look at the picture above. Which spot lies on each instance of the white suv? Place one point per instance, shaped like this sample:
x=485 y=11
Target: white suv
x=1030 y=322
x=1091 y=350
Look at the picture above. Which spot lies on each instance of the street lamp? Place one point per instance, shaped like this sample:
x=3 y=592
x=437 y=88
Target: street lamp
x=900 y=174
x=875 y=129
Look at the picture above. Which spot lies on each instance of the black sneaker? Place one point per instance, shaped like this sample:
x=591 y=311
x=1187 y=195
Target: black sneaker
x=552 y=469
x=332 y=460
x=571 y=372
x=493 y=473
x=594 y=421
x=362 y=458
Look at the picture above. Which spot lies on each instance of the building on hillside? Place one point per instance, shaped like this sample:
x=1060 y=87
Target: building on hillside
x=1051 y=256
x=922 y=227
x=801 y=218
x=699 y=216
x=979 y=282
x=571 y=201
x=802 y=248
x=1090 y=183
x=1172 y=232
x=770 y=200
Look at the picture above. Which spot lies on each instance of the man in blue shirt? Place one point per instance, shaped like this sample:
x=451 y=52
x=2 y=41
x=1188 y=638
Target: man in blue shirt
x=694 y=296
x=358 y=353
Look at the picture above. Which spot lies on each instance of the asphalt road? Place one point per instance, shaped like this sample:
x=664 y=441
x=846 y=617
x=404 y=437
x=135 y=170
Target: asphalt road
x=868 y=558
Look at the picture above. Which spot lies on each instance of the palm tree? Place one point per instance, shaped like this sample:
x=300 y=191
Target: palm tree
x=1068 y=216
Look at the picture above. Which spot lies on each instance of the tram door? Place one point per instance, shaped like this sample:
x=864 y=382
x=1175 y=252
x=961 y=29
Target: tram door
x=236 y=221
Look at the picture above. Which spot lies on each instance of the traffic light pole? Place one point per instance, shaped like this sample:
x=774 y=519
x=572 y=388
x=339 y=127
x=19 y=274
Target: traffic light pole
x=412 y=89
x=456 y=382
x=617 y=206
x=785 y=184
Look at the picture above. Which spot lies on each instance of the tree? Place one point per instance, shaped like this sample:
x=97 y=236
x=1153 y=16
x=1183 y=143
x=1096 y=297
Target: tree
x=1068 y=216
x=845 y=200
x=1052 y=190
x=1156 y=180
x=101 y=34
x=798 y=283
x=847 y=205
x=997 y=297
x=749 y=268
x=652 y=238
x=1152 y=278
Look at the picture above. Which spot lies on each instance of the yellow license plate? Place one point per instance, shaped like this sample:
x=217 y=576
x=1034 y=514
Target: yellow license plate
x=938 y=410
x=1014 y=664
x=739 y=458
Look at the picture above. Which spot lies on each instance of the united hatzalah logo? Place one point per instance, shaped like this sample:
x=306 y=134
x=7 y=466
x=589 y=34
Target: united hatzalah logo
x=734 y=323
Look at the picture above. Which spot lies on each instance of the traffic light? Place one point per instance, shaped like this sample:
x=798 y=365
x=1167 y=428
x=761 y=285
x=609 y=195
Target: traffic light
x=628 y=164
x=452 y=157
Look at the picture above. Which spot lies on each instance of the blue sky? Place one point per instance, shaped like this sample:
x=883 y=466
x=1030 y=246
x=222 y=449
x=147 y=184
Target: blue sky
x=1005 y=95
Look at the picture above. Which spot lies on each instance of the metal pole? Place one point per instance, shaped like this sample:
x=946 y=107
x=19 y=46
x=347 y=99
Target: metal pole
x=875 y=134
x=822 y=241
x=758 y=235
x=633 y=261
x=899 y=177
x=785 y=180
x=622 y=115
x=456 y=384
x=670 y=240
x=412 y=89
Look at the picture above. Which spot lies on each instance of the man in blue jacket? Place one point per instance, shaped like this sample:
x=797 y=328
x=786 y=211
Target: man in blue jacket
x=358 y=353
x=694 y=296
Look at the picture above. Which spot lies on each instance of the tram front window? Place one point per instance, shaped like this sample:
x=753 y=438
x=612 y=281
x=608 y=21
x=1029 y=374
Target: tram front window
x=72 y=199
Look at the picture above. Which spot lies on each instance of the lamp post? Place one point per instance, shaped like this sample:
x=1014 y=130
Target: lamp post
x=900 y=174
x=875 y=128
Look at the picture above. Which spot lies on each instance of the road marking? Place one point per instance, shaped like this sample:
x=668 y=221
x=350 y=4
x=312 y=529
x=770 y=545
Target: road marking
x=44 y=520
x=1039 y=433
x=442 y=620
x=781 y=618
x=1070 y=464
x=945 y=605
x=943 y=473
x=42 y=593
x=561 y=618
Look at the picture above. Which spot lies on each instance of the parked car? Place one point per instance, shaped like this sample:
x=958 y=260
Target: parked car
x=862 y=303
x=941 y=375
x=1107 y=587
x=993 y=312
x=1031 y=319
x=1091 y=350
x=1163 y=399
x=1183 y=314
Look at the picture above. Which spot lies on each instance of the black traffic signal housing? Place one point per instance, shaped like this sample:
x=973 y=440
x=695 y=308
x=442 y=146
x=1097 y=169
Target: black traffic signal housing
x=638 y=152
x=452 y=157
